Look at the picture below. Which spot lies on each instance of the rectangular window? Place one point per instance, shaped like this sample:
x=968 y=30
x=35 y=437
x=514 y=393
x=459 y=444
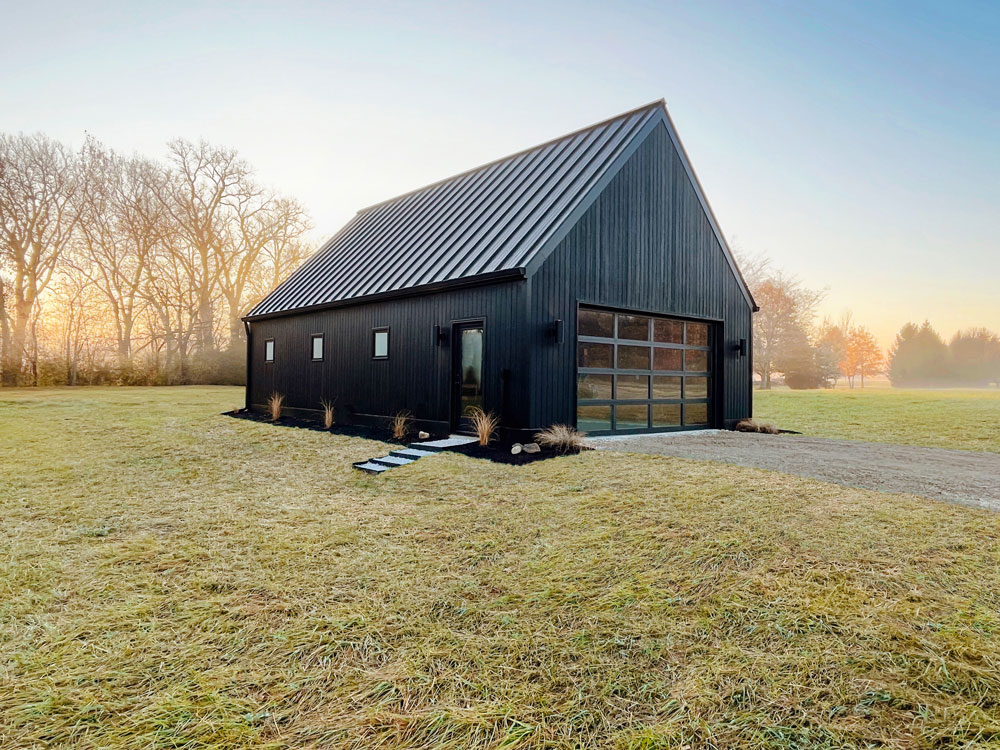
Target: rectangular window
x=317 y=347
x=594 y=386
x=269 y=350
x=380 y=343
x=597 y=323
x=596 y=355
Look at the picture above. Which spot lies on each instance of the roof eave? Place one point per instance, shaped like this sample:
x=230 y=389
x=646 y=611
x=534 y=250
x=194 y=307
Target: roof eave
x=485 y=279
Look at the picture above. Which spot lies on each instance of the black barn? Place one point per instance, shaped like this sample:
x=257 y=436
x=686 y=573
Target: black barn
x=584 y=281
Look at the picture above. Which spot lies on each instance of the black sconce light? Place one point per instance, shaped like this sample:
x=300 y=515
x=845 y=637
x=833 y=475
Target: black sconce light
x=556 y=330
x=742 y=347
x=440 y=335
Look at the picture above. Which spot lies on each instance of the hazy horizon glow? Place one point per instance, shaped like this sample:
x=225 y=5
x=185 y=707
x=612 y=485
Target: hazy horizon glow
x=855 y=145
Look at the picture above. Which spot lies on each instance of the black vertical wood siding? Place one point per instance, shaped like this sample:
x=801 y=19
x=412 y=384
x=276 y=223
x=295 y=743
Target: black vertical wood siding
x=644 y=244
x=416 y=375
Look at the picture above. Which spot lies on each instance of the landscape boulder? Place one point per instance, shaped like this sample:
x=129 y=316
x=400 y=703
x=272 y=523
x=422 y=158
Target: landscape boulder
x=531 y=448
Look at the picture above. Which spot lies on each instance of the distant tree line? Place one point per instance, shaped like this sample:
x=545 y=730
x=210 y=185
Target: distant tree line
x=124 y=269
x=919 y=357
x=788 y=343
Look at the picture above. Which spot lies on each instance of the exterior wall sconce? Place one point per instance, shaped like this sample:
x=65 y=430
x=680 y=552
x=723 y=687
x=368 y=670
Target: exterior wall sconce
x=440 y=335
x=556 y=330
x=742 y=347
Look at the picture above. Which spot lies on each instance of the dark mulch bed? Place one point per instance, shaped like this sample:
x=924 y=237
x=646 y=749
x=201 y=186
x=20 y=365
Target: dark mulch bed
x=369 y=433
x=500 y=453
x=496 y=452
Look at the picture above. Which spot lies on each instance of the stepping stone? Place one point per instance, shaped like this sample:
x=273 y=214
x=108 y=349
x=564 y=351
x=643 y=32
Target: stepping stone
x=370 y=468
x=412 y=453
x=391 y=460
x=452 y=441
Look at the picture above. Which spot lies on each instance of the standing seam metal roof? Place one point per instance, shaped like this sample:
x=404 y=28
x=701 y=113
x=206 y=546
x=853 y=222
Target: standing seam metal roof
x=488 y=220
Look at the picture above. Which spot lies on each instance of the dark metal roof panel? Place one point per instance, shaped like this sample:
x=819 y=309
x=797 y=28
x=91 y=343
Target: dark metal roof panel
x=496 y=217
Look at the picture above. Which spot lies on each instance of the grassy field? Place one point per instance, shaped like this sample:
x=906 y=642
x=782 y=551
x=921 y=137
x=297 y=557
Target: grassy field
x=949 y=418
x=173 y=578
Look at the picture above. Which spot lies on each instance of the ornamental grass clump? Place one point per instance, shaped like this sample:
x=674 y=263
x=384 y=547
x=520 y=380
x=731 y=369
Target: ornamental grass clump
x=562 y=438
x=401 y=424
x=484 y=423
x=275 y=404
x=327 y=413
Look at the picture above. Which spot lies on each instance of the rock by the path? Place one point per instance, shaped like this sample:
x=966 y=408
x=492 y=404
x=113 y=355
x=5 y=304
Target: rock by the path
x=531 y=448
x=423 y=435
x=516 y=448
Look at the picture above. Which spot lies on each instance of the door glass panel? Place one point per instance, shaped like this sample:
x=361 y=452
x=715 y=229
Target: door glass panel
x=633 y=327
x=633 y=357
x=695 y=387
x=666 y=386
x=596 y=323
x=594 y=386
x=695 y=414
x=667 y=359
x=632 y=386
x=668 y=331
x=596 y=355
x=471 y=394
x=695 y=361
x=697 y=334
x=666 y=415
x=631 y=417
x=593 y=418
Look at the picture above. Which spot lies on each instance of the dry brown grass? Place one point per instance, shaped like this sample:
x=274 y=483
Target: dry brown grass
x=563 y=438
x=401 y=424
x=328 y=413
x=483 y=423
x=756 y=425
x=274 y=405
x=601 y=600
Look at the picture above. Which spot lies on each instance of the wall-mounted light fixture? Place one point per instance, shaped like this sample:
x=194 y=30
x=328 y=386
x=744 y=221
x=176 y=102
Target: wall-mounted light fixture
x=440 y=335
x=742 y=347
x=556 y=330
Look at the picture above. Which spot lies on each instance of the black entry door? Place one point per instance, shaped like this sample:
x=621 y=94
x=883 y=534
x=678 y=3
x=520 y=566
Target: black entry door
x=466 y=373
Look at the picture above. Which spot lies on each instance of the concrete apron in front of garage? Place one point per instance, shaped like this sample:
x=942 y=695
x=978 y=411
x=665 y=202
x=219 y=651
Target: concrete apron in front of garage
x=411 y=453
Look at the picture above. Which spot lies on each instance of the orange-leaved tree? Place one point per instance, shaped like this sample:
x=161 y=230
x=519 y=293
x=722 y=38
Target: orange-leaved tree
x=862 y=355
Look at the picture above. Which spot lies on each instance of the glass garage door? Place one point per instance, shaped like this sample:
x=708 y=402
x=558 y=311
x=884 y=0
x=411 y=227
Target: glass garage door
x=642 y=372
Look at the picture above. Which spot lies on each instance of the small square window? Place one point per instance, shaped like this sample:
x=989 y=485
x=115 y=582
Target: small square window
x=317 y=347
x=380 y=343
x=269 y=350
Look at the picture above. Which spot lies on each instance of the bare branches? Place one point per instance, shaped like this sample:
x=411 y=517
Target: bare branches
x=169 y=255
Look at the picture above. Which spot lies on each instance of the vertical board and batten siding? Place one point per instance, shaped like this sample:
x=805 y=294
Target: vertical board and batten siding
x=417 y=374
x=645 y=244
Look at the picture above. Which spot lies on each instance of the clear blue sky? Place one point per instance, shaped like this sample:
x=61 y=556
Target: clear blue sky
x=858 y=144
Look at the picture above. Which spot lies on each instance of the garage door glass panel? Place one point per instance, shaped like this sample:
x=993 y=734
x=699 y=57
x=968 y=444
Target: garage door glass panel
x=695 y=361
x=638 y=371
x=668 y=359
x=594 y=386
x=666 y=386
x=666 y=415
x=597 y=323
x=633 y=327
x=596 y=355
x=632 y=387
x=697 y=334
x=668 y=331
x=633 y=357
x=695 y=414
x=695 y=387
x=631 y=417
x=593 y=418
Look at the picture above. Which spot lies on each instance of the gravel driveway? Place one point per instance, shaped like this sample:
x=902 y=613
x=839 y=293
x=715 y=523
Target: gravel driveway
x=955 y=476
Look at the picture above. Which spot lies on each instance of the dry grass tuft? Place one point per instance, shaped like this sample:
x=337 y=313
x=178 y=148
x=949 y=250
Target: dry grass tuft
x=401 y=424
x=484 y=423
x=562 y=437
x=756 y=425
x=327 y=413
x=275 y=404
